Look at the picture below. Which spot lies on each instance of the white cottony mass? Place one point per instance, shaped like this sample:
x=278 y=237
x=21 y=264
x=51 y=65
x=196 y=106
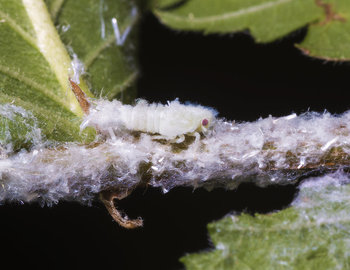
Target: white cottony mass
x=129 y=152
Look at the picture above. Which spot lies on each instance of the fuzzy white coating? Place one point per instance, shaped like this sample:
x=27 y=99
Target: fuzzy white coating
x=169 y=121
x=267 y=151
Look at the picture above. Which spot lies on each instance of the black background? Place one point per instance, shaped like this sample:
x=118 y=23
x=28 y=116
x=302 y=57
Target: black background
x=243 y=81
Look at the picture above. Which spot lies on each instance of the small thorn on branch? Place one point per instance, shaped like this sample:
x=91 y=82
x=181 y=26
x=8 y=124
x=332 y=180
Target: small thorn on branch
x=107 y=198
x=81 y=97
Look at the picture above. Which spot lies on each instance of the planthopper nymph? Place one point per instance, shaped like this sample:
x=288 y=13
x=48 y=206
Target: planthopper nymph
x=170 y=121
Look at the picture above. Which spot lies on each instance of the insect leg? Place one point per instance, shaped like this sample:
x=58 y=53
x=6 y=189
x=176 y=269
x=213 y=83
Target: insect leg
x=108 y=200
x=180 y=139
x=197 y=136
x=159 y=137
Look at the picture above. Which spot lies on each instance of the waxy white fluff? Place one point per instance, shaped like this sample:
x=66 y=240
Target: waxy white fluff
x=267 y=151
x=169 y=121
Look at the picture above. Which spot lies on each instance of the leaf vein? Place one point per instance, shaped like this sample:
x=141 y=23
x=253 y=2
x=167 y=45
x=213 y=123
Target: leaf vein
x=230 y=15
x=123 y=86
x=18 y=29
x=55 y=8
x=16 y=75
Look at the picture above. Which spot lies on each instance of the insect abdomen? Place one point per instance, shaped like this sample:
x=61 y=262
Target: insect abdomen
x=143 y=117
x=169 y=121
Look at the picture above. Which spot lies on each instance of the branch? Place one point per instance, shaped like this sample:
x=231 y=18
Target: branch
x=268 y=151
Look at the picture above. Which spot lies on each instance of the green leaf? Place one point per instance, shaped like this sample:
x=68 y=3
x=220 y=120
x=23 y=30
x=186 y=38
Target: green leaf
x=35 y=65
x=266 y=20
x=163 y=4
x=111 y=69
x=312 y=234
x=330 y=38
x=22 y=125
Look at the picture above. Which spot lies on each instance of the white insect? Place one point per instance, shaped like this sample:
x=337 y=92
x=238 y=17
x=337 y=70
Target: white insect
x=171 y=121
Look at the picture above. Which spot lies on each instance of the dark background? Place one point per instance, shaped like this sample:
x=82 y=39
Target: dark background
x=231 y=73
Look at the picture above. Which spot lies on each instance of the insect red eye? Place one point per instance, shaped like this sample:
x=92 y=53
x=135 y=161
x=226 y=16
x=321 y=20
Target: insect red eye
x=205 y=122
